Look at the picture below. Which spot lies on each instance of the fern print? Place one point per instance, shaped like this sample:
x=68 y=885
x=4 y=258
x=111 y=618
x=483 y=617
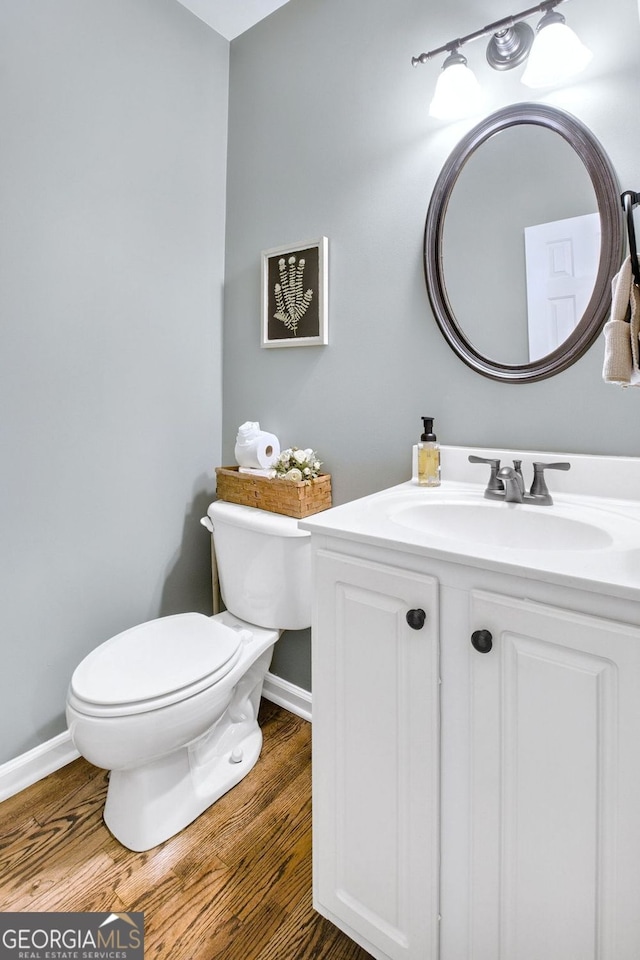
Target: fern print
x=292 y=302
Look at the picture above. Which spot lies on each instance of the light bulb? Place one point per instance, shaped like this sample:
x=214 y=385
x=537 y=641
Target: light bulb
x=556 y=55
x=457 y=92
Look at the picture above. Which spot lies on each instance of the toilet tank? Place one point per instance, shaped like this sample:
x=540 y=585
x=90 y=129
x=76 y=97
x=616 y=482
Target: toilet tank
x=264 y=565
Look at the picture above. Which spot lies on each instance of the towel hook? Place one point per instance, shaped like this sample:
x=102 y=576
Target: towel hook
x=629 y=200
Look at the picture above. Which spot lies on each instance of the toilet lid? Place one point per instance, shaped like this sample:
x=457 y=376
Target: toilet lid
x=156 y=658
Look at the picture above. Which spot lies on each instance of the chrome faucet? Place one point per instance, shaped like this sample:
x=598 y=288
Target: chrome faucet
x=513 y=492
x=507 y=483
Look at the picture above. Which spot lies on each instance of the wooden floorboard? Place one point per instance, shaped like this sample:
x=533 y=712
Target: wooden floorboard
x=234 y=885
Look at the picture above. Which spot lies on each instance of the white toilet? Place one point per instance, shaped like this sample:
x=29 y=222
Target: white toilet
x=170 y=706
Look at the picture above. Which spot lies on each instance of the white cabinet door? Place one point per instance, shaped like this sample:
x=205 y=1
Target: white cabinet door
x=375 y=755
x=555 y=785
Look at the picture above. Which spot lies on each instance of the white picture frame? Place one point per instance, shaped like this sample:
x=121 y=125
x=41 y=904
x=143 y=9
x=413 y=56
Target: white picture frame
x=295 y=287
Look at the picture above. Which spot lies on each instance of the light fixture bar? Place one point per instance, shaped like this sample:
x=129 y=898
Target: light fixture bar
x=496 y=27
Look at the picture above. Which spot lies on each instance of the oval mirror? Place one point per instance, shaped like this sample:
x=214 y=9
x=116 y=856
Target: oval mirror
x=522 y=239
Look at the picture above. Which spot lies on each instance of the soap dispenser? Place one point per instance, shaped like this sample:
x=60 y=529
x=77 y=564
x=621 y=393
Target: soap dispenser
x=428 y=456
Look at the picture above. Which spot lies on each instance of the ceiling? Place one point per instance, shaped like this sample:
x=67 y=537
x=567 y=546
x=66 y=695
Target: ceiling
x=232 y=17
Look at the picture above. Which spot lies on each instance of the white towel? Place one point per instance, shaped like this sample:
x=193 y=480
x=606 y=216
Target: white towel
x=621 y=352
x=635 y=327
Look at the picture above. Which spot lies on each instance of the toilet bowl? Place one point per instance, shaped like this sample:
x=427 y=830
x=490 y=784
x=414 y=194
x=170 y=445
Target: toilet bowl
x=170 y=706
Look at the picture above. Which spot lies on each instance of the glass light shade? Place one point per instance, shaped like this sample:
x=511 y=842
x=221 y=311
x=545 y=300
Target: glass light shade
x=556 y=55
x=457 y=92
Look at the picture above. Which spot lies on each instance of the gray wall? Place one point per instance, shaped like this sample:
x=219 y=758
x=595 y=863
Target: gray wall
x=329 y=134
x=112 y=171
x=113 y=160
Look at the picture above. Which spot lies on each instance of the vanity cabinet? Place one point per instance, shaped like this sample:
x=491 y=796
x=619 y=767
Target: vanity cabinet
x=375 y=754
x=473 y=802
x=554 y=784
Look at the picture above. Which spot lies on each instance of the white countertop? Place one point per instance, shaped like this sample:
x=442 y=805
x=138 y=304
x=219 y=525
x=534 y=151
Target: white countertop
x=606 y=560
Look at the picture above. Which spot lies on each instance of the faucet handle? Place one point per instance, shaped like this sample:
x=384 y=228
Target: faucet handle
x=495 y=485
x=539 y=487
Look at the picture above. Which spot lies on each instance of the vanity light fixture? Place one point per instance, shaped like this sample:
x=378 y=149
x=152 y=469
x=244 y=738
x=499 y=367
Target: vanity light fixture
x=553 y=54
x=457 y=92
x=557 y=53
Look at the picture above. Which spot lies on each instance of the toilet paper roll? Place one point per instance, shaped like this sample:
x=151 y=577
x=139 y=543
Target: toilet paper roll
x=260 y=451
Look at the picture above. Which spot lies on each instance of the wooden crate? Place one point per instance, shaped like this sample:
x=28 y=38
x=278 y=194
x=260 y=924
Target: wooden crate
x=291 y=498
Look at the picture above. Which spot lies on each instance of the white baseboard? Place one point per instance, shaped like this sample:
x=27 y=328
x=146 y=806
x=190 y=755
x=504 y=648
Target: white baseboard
x=294 y=699
x=36 y=764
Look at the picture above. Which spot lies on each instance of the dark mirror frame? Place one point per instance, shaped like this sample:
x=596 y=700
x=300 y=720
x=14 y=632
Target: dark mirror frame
x=607 y=191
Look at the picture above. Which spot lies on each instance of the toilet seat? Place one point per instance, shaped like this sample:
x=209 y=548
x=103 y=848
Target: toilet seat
x=154 y=665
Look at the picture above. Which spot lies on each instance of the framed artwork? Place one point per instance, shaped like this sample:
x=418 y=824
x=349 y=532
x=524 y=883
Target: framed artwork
x=294 y=295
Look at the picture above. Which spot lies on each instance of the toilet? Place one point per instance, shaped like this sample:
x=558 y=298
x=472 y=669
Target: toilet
x=170 y=706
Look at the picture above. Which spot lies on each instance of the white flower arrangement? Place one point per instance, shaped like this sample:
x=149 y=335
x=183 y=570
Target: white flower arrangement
x=297 y=465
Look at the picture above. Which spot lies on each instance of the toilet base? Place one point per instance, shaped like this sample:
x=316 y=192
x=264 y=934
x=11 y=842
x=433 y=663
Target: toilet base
x=147 y=805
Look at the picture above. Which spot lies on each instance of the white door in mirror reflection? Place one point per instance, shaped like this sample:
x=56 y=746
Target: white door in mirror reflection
x=561 y=263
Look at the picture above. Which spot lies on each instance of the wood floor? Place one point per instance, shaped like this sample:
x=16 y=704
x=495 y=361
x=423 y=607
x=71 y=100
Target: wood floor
x=235 y=885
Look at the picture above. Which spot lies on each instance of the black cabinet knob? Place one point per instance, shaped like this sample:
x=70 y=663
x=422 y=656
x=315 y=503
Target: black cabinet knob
x=416 y=619
x=482 y=641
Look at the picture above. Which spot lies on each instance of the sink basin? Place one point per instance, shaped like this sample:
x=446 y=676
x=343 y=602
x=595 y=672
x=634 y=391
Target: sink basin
x=587 y=539
x=516 y=526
